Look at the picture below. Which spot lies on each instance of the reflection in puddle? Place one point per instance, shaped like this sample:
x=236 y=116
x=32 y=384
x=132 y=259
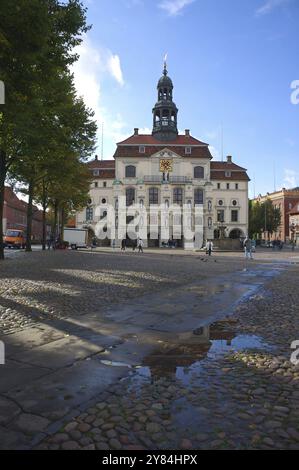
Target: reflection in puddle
x=114 y=363
x=183 y=357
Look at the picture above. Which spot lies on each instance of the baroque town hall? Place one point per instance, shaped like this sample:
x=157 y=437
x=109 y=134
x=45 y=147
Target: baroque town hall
x=166 y=168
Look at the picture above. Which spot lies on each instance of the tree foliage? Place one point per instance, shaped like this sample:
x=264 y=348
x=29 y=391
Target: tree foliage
x=263 y=217
x=46 y=131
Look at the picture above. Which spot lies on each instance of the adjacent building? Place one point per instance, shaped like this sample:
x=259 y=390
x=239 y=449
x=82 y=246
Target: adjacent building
x=285 y=200
x=166 y=168
x=15 y=215
x=294 y=223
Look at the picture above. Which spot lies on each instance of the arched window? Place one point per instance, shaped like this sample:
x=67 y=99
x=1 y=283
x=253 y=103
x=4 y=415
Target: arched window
x=130 y=196
x=199 y=172
x=130 y=171
x=153 y=196
x=198 y=196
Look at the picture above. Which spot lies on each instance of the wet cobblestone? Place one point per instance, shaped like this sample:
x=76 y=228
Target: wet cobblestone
x=234 y=397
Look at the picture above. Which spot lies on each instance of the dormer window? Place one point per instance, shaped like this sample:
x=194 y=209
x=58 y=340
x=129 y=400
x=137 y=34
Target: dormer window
x=96 y=172
x=228 y=174
x=141 y=149
x=187 y=150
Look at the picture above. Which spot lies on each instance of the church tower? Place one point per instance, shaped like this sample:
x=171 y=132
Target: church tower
x=165 y=111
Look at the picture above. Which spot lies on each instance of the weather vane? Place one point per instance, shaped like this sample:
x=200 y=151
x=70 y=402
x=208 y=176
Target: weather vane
x=165 y=63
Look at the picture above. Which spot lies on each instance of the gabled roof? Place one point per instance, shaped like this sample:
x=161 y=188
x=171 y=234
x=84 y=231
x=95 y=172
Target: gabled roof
x=148 y=139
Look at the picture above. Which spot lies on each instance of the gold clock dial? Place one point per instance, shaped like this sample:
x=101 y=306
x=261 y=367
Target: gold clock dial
x=165 y=165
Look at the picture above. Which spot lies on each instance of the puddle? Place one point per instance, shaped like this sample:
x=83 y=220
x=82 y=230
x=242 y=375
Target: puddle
x=183 y=358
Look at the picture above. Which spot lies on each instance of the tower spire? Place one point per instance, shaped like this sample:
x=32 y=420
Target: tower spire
x=165 y=111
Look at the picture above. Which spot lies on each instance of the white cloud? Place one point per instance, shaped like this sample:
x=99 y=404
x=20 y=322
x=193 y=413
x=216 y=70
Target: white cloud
x=89 y=71
x=115 y=69
x=291 y=178
x=215 y=152
x=270 y=5
x=174 y=7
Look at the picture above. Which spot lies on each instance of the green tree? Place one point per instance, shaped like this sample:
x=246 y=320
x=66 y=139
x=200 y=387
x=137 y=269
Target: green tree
x=263 y=217
x=37 y=38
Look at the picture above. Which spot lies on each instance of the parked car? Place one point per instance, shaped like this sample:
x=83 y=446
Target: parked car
x=15 y=238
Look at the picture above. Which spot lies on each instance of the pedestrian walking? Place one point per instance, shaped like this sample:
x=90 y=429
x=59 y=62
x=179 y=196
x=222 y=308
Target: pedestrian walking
x=49 y=241
x=209 y=247
x=123 y=244
x=140 y=245
x=248 y=248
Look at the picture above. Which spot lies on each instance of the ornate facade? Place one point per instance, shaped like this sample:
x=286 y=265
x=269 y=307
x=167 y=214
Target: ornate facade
x=166 y=168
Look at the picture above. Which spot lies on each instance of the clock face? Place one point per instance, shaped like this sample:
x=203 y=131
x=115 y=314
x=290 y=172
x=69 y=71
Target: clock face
x=166 y=165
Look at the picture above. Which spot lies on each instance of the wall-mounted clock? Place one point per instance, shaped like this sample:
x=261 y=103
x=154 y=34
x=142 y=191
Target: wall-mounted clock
x=166 y=166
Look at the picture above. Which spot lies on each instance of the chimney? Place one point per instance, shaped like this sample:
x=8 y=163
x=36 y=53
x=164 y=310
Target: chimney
x=136 y=131
x=96 y=158
x=187 y=132
x=229 y=159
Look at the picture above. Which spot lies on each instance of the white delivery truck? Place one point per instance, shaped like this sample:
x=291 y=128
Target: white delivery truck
x=76 y=237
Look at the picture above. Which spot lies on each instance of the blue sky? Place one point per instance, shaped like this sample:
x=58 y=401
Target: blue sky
x=232 y=63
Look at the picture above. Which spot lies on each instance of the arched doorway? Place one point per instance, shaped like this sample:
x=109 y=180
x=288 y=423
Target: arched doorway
x=216 y=234
x=236 y=234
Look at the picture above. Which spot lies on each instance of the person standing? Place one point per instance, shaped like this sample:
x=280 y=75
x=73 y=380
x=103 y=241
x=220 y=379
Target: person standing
x=248 y=248
x=140 y=245
x=210 y=247
x=123 y=244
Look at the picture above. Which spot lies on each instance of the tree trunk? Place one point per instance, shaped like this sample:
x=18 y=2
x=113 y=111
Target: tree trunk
x=44 y=217
x=2 y=186
x=54 y=227
x=62 y=217
x=29 y=216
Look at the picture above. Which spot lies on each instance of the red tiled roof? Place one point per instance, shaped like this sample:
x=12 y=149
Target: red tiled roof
x=147 y=139
x=13 y=201
x=235 y=176
x=130 y=147
x=99 y=164
x=226 y=166
x=218 y=170
x=106 y=169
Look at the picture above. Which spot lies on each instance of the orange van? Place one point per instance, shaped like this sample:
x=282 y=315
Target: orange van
x=15 y=238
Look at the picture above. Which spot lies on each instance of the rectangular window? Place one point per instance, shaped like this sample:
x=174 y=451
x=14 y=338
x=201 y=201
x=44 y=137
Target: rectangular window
x=153 y=196
x=220 y=216
x=228 y=174
x=178 y=196
x=218 y=186
x=227 y=185
x=235 y=216
x=104 y=184
x=96 y=184
x=89 y=213
x=237 y=186
x=187 y=150
x=141 y=149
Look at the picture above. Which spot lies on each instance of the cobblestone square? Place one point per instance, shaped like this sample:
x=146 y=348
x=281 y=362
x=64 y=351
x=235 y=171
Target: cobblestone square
x=110 y=350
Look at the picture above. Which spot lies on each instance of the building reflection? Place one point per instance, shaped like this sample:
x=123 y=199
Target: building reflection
x=185 y=349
